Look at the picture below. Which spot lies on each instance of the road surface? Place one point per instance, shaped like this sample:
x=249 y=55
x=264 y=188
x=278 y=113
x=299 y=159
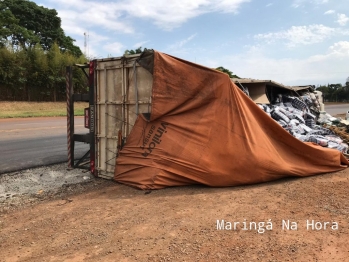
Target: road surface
x=336 y=109
x=32 y=142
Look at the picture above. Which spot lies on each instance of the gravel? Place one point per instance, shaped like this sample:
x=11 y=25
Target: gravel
x=47 y=182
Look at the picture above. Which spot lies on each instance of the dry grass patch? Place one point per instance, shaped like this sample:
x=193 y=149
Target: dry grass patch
x=35 y=109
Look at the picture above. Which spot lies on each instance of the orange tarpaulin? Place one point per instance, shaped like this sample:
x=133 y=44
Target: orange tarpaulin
x=204 y=130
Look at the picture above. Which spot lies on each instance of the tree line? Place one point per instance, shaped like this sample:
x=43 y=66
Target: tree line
x=34 y=53
x=37 y=75
x=335 y=92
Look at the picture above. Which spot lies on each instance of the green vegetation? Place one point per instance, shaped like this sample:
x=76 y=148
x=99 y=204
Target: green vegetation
x=24 y=24
x=36 y=109
x=37 y=75
x=133 y=52
x=34 y=53
x=227 y=71
x=335 y=92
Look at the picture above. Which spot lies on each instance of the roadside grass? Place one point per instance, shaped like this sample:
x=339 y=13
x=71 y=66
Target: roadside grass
x=17 y=109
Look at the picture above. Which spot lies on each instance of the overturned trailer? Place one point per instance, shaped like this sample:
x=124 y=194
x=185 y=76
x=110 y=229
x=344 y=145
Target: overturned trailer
x=119 y=90
x=161 y=121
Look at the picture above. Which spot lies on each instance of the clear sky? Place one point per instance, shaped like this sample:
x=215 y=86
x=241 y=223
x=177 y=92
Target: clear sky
x=294 y=42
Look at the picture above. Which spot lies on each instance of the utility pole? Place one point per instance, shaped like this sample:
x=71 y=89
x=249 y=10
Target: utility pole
x=85 y=44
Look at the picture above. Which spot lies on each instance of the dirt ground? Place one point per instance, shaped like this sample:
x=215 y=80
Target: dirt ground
x=99 y=220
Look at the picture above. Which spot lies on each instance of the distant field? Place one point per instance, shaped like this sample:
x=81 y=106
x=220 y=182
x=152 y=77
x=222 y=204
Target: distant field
x=37 y=109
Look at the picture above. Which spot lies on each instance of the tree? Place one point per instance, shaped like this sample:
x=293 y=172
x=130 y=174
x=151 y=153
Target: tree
x=56 y=77
x=323 y=89
x=38 y=75
x=334 y=92
x=67 y=44
x=24 y=24
x=10 y=30
x=12 y=72
x=227 y=71
x=133 y=52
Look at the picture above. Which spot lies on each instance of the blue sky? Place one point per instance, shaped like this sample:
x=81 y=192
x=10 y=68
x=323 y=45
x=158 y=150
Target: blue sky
x=294 y=42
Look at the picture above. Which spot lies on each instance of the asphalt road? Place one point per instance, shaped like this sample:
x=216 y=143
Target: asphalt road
x=32 y=142
x=337 y=109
